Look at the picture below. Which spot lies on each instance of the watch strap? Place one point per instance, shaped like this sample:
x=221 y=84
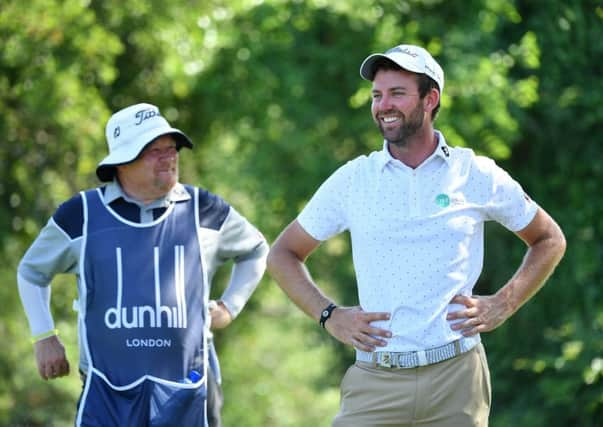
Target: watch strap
x=326 y=314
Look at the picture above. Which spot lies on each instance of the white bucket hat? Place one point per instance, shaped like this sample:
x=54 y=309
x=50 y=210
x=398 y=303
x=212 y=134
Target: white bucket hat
x=129 y=131
x=410 y=57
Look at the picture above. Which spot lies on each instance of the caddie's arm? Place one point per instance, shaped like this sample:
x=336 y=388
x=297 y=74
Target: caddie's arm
x=242 y=243
x=51 y=253
x=49 y=351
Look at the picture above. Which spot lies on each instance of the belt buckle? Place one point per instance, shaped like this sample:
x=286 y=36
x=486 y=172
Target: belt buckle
x=386 y=359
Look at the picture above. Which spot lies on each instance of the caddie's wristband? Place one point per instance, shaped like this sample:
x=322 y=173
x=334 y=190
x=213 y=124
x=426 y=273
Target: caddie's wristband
x=326 y=313
x=52 y=332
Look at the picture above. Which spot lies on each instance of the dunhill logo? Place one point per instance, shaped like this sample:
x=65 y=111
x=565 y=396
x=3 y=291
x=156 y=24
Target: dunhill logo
x=144 y=316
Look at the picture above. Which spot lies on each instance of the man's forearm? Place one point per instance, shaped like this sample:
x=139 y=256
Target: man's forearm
x=538 y=264
x=294 y=278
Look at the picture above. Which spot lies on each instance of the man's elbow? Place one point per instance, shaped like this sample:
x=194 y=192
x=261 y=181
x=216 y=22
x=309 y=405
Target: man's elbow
x=556 y=243
x=272 y=260
x=560 y=243
x=280 y=258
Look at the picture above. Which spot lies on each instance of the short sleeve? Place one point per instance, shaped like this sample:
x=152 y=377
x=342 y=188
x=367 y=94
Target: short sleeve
x=510 y=205
x=326 y=213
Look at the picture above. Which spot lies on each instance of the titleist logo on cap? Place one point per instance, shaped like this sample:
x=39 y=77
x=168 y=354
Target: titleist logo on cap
x=139 y=117
x=402 y=50
x=143 y=115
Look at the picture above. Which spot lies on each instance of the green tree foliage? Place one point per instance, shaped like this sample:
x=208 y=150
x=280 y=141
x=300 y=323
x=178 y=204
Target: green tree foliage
x=54 y=58
x=270 y=93
x=558 y=360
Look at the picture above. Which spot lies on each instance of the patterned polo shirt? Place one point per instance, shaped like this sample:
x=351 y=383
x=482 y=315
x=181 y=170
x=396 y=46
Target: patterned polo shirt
x=417 y=234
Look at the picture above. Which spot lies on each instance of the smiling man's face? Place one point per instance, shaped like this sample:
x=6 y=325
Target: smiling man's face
x=396 y=105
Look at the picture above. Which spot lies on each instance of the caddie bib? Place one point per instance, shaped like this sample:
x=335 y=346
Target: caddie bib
x=143 y=300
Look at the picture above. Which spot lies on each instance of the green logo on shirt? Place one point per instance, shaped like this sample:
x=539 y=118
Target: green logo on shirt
x=442 y=200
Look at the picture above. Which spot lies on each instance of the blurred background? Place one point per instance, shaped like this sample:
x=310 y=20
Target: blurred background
x=270 y=93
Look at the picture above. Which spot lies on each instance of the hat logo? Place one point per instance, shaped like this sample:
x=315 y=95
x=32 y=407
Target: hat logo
x=405 y=50
x=143 y=115
x=116 y=132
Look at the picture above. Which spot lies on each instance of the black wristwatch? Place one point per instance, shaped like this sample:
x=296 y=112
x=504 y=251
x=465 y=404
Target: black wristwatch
x=326 y=313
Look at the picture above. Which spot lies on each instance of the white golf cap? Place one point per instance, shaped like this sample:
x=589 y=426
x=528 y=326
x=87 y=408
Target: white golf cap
x=410 y=57
x=129 y=131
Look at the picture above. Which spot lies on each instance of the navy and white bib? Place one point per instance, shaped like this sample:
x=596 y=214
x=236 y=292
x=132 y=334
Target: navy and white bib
x=142 y=310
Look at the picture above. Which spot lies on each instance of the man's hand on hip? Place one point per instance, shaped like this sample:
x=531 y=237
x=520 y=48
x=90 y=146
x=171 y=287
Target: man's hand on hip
x=481 y=314
x=352 y=325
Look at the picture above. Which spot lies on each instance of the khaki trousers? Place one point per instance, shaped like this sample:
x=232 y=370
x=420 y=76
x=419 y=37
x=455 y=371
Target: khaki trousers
x=453 y=393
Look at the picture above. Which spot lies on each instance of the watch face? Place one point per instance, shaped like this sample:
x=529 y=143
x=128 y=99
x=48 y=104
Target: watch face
x=325 y=313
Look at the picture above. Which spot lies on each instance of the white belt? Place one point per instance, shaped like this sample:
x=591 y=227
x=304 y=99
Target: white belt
x=414 y=359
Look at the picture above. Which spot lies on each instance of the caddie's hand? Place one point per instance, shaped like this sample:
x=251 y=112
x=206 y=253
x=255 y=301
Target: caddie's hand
x=220 y=316
x=481 y=314
x=352 y=325
x=51 y=358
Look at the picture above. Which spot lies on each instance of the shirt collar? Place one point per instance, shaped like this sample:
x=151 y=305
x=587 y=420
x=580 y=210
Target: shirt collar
x=113 y=191
x=442 y=151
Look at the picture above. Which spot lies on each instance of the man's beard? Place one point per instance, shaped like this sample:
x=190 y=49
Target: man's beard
x=409 y=127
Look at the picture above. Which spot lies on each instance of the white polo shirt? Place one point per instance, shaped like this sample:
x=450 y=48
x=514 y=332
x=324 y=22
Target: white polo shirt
x=417 y=234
